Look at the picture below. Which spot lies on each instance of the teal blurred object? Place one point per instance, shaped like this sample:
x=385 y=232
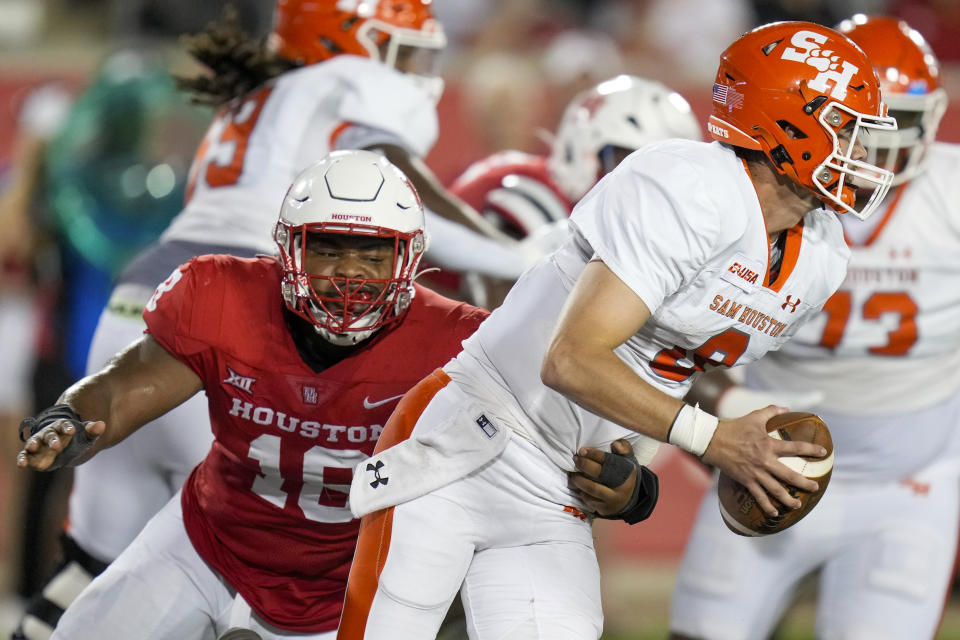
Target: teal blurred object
x=117 y=170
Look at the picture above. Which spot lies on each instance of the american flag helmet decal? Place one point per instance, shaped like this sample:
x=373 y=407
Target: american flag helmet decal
x=728 y=96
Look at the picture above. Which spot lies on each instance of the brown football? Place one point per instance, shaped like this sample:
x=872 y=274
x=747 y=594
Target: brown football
x=739 y=509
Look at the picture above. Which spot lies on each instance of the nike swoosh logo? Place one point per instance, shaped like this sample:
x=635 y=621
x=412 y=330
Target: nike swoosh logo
x=373 y=405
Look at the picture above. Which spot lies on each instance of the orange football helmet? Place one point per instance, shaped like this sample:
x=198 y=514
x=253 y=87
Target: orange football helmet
x=806 y=96
x=910 y=81
x=402 y=34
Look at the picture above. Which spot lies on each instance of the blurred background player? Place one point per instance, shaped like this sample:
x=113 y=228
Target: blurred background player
x=104 y=183
x=522 y=193
x=884 y=351
x=326 y=78
x=678 y=261
x=298 y=392
x=21 y=311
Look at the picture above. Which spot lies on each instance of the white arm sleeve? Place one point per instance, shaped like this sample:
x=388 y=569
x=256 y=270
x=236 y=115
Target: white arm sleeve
x=455 y=247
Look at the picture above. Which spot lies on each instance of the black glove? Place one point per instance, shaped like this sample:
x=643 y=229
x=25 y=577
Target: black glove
x=80 y=443
x=616 y=470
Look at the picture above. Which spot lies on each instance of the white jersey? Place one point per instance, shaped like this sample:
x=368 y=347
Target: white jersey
x=256 y=146
x=889 y=340
x=679 y=223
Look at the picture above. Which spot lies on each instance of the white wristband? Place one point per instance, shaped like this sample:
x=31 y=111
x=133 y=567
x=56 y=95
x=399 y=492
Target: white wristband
x=693 y=429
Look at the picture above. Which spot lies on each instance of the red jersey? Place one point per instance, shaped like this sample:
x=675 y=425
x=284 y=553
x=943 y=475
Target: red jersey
x=267 y=508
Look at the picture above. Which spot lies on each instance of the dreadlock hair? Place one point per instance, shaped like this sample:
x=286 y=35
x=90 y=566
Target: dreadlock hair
x=238 y=63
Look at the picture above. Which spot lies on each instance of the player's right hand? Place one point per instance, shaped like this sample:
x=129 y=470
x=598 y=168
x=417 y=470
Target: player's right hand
x=42 y=448
x=742 y=449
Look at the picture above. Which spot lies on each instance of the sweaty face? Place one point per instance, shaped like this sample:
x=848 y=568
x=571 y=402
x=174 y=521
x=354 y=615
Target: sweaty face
x=861 y=189
x=348 y=272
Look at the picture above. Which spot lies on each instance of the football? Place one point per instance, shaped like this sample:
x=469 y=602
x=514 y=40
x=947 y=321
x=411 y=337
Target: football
x=739 y=509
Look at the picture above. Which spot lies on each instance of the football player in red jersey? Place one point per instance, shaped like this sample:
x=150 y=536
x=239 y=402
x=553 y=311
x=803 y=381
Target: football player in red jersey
x=335 y=74
x=302 y=358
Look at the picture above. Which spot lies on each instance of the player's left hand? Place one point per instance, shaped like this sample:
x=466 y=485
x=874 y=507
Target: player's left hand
x=614 y=485
x=57 y=438
x=600 y=498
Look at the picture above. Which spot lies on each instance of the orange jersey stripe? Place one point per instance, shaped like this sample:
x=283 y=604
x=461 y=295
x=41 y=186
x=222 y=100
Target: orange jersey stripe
x=373 y=545
x=791 y=252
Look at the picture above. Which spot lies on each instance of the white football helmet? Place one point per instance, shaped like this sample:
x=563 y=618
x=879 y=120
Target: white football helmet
x=625 y=112
x=357 y=193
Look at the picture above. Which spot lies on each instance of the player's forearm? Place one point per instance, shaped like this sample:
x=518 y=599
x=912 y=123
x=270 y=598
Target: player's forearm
x=94 y=399
x=139 y=385
x=454 y=247
x=600 y=381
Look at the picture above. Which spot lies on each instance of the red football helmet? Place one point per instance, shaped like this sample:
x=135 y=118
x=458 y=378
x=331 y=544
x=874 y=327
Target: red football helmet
x=910 y=80
x=805 y=95
x=402 y=34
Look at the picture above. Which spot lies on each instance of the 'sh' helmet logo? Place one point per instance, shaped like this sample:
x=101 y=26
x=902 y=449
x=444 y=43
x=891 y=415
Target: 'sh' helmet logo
x=807 y=48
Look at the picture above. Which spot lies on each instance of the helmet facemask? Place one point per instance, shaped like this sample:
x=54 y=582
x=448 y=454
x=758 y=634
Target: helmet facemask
x=413 y=52
x=903 y=151
x=909 y=75
x=841 y=174
x=345 y=306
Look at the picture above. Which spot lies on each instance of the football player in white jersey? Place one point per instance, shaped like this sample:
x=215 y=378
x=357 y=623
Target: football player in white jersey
x=686 y=257
x=335 y=74
x=885 y=351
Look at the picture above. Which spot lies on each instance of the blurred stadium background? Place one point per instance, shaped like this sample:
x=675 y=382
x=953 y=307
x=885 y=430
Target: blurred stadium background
x=510 y=68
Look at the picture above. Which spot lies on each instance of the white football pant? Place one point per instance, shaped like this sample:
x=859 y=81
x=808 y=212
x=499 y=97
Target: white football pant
x=160 y=588
x=527 y=565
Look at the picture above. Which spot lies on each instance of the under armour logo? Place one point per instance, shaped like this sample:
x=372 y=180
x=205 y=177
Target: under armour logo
x=377 y=479
x=790 y=303
x=488 y=428
x=239 y=381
